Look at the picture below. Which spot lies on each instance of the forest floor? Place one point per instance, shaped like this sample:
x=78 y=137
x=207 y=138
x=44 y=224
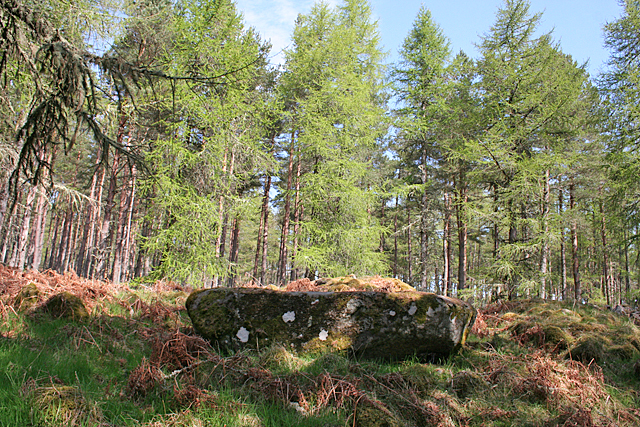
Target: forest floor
x=136 y=361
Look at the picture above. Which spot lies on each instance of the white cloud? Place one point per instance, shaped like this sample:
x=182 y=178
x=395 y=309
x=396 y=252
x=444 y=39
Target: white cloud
x=274 y=20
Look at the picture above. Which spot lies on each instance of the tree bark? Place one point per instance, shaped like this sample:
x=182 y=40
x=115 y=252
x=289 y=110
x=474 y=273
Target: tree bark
x=446 y=246
x=409 y=247
x=544 y=252
x=122 y=231
x=605 y=256
x=298 y=210
x=233 y=252
x=563 y=249
x=424 y=224
x=282 y=263
x=40 y=224
x=395 y=240
x=577 y=291
x=462 y=234
x=104 y=236
x=20 y=255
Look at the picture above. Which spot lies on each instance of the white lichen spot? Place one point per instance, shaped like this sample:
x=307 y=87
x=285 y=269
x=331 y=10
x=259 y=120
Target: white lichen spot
x=412 y=309
x=315 y=302
x=289 y=316
x=392 y=313
x=323 y=335
x=310 y=321
x=430 y=312
x=243 y=335
x=353 y=305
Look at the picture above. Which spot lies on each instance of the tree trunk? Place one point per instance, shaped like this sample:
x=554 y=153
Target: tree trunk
x=282 y=263
x=446 y=246
x=409 y=247
x=20 y=255
x=91 y=216
x=233 y=252
x=563 y=249
x=605 y=256
x=122 y=231
x=395 y=240
x=256 y=258
x=105 y=234
x=461 y=193
x=297 y=217
x=544 y=252
x=577 y=291
x=627 y=272
x=40 y=224
x=424 y=224
x=265 y=235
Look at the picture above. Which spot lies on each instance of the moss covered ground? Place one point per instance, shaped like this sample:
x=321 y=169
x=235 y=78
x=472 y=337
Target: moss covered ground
x=135 y=361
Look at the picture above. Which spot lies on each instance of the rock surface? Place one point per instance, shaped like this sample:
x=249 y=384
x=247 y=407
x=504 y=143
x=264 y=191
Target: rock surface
x=382 y=325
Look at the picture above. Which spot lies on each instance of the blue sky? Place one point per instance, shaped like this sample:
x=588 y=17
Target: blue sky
x=576 y=24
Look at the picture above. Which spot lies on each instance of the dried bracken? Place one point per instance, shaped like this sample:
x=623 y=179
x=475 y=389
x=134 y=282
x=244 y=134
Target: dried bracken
x=178 y=350
x=143 y=379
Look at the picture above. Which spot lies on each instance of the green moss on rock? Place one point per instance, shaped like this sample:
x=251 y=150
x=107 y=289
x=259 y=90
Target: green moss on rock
x=27 y=298
x=66 y=305
x=370 y=324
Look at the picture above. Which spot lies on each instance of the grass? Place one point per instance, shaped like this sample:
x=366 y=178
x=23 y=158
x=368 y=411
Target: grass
x=137 y=362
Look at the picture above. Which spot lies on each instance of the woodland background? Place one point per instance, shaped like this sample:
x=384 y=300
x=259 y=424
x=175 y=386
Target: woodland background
x=153 y=139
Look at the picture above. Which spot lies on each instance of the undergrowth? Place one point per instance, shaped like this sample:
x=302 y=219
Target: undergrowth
x=137 y=362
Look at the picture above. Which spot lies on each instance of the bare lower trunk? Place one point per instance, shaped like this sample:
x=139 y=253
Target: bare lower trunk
x=20 y=254
x=105 y=234
x=424 y=267
x=233 y=251
x=409 y=247
x=563 y=250
x=122 y=232
x=605 y=257
x=297 y=217
x=258 y=273
x=282 y=263
x=395 y=240
x=462 y=237
x=446 y=245
x=544 y=252
x=577 y=291
x=39 y=226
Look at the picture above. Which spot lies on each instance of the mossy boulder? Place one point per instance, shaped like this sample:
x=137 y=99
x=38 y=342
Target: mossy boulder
x=376 y=325
x=27 y=298
x=67 y=305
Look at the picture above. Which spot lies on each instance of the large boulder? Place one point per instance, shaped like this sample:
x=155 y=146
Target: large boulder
x=384 y=325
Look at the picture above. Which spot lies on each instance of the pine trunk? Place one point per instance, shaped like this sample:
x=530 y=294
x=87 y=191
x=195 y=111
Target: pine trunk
x=577 y=291
x=282 y=263
x=395 y=240
x=446 y=246
x=258 y=274
x=233 y=251
x=39 y=227
x=462 y=235
x=409 y=247
x=563 y=249
x=297 y=217
x=424 y=224
x=105 y=234
x=605 y=257
x=544 y=252
x=23 y=237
